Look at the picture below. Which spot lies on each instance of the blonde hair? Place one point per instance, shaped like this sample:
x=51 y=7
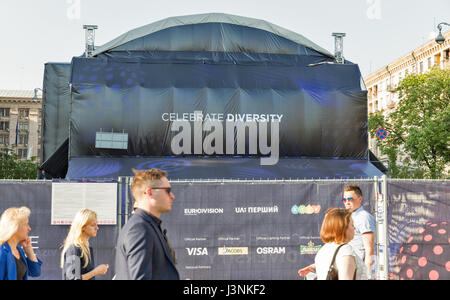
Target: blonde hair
x=145 y=179
x=335 y=225
x=11 y=220
x=75 y=236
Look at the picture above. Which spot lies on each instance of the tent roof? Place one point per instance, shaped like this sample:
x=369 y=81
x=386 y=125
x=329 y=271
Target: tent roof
x=209 y=18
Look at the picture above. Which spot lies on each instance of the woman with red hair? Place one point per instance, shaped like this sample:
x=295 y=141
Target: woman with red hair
x=336 y=231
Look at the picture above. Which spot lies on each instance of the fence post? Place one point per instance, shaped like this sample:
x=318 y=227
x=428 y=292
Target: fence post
x=119 y=205
x=382 y=224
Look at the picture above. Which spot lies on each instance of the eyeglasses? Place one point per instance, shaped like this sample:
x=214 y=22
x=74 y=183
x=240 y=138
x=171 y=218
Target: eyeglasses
x=168 y=189
x=347 y=199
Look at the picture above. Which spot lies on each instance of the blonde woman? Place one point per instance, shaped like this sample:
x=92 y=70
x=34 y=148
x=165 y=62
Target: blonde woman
x=77 y=259
x=17 y=258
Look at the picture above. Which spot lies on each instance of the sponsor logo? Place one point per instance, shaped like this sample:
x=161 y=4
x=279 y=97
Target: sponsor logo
x=256 y=209
x=197 y=251
x=310 y=248
x=271 y=250
x=305 y=209
x=233 y=251
x=202 y=211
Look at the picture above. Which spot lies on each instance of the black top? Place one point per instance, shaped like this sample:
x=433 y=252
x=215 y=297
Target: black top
x=74 y=265
x=21 y=268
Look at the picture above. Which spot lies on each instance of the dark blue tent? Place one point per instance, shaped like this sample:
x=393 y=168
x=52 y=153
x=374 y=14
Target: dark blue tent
x=261 y=91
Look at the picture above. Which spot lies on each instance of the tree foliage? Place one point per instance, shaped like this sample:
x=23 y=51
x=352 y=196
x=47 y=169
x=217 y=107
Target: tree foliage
x=419 y=127
x=11 y=167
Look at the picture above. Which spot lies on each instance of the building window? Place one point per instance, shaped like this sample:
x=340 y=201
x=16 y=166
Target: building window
x=437 y=59
x=430 y=63
x=23 y=127
x=22 y=153
x=421 y=67
x=23 y=139
x=4 y=139
x=4 y=126
x=24 y=112
x=4 y=112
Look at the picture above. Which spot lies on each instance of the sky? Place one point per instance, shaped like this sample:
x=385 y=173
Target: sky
x=35 y=32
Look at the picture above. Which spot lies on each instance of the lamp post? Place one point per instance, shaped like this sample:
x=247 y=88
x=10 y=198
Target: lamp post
x=440 y=38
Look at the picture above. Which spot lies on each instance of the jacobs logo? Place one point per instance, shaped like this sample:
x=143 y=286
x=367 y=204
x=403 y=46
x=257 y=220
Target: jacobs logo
x=305 y=209
x=233 y=251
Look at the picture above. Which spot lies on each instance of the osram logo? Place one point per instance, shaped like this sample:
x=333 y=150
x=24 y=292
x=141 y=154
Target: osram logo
x=305 y=210
x=197 y=251
x=271 y=250
x=233 y=251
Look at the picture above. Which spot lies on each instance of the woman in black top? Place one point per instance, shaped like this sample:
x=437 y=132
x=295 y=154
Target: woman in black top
x=77 y=260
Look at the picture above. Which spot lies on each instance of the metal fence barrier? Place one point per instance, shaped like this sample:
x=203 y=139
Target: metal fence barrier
x=263 y=229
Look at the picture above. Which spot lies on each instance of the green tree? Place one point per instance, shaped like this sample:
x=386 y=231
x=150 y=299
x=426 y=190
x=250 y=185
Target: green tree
x=11 y=167
x=418 y=128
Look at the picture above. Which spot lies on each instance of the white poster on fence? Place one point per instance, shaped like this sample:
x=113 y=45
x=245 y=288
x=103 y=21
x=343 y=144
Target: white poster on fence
x=69 y=198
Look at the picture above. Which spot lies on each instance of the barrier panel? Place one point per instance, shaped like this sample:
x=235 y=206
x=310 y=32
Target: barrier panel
x=250 y=229
x=259 y=230
x=419 y=226
x=47 y=239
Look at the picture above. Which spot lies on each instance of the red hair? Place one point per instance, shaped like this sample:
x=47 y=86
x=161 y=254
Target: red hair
x=335 y=225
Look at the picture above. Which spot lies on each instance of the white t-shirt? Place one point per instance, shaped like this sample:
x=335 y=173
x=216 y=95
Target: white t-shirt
x=325 y=255
x=364 y=222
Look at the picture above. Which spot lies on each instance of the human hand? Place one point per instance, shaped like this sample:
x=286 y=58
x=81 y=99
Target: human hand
x=28 y=248
x=305 y=271
x=26 y=244
x=102 y=269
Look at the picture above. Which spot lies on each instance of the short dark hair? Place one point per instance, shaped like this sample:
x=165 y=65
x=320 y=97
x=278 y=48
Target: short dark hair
x=353 y=188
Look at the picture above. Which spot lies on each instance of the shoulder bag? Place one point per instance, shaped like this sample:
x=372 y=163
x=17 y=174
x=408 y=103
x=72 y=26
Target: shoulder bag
x=332 y=271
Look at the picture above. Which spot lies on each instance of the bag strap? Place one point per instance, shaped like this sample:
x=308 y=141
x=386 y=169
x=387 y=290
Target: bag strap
x=330 y=269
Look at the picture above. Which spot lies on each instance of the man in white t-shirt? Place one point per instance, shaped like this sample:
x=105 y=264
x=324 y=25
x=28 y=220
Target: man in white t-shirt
x=363 y=242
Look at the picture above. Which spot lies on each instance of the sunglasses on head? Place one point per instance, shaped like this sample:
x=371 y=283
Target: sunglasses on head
x=347 y=199
x=168 y=189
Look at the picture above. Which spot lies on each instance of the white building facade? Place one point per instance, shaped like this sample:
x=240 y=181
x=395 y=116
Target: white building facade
x=382 y=83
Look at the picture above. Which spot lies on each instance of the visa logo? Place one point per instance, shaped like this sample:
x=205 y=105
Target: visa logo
x=197 y=251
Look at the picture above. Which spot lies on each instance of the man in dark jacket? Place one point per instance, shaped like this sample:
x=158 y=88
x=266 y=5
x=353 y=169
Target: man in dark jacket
x=143 y=251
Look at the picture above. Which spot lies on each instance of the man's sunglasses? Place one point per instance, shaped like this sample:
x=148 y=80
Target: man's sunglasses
x=168 y=189
x=347 y=199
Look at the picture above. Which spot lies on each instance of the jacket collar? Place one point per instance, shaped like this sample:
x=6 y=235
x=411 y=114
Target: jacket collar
x=148 y=216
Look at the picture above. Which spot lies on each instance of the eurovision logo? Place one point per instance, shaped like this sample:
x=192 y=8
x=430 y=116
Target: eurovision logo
x=305 y=209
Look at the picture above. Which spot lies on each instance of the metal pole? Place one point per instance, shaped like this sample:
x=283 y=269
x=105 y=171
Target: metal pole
x=385 y=253
x=127 y=201
x=381 y=218
x=119 y=205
